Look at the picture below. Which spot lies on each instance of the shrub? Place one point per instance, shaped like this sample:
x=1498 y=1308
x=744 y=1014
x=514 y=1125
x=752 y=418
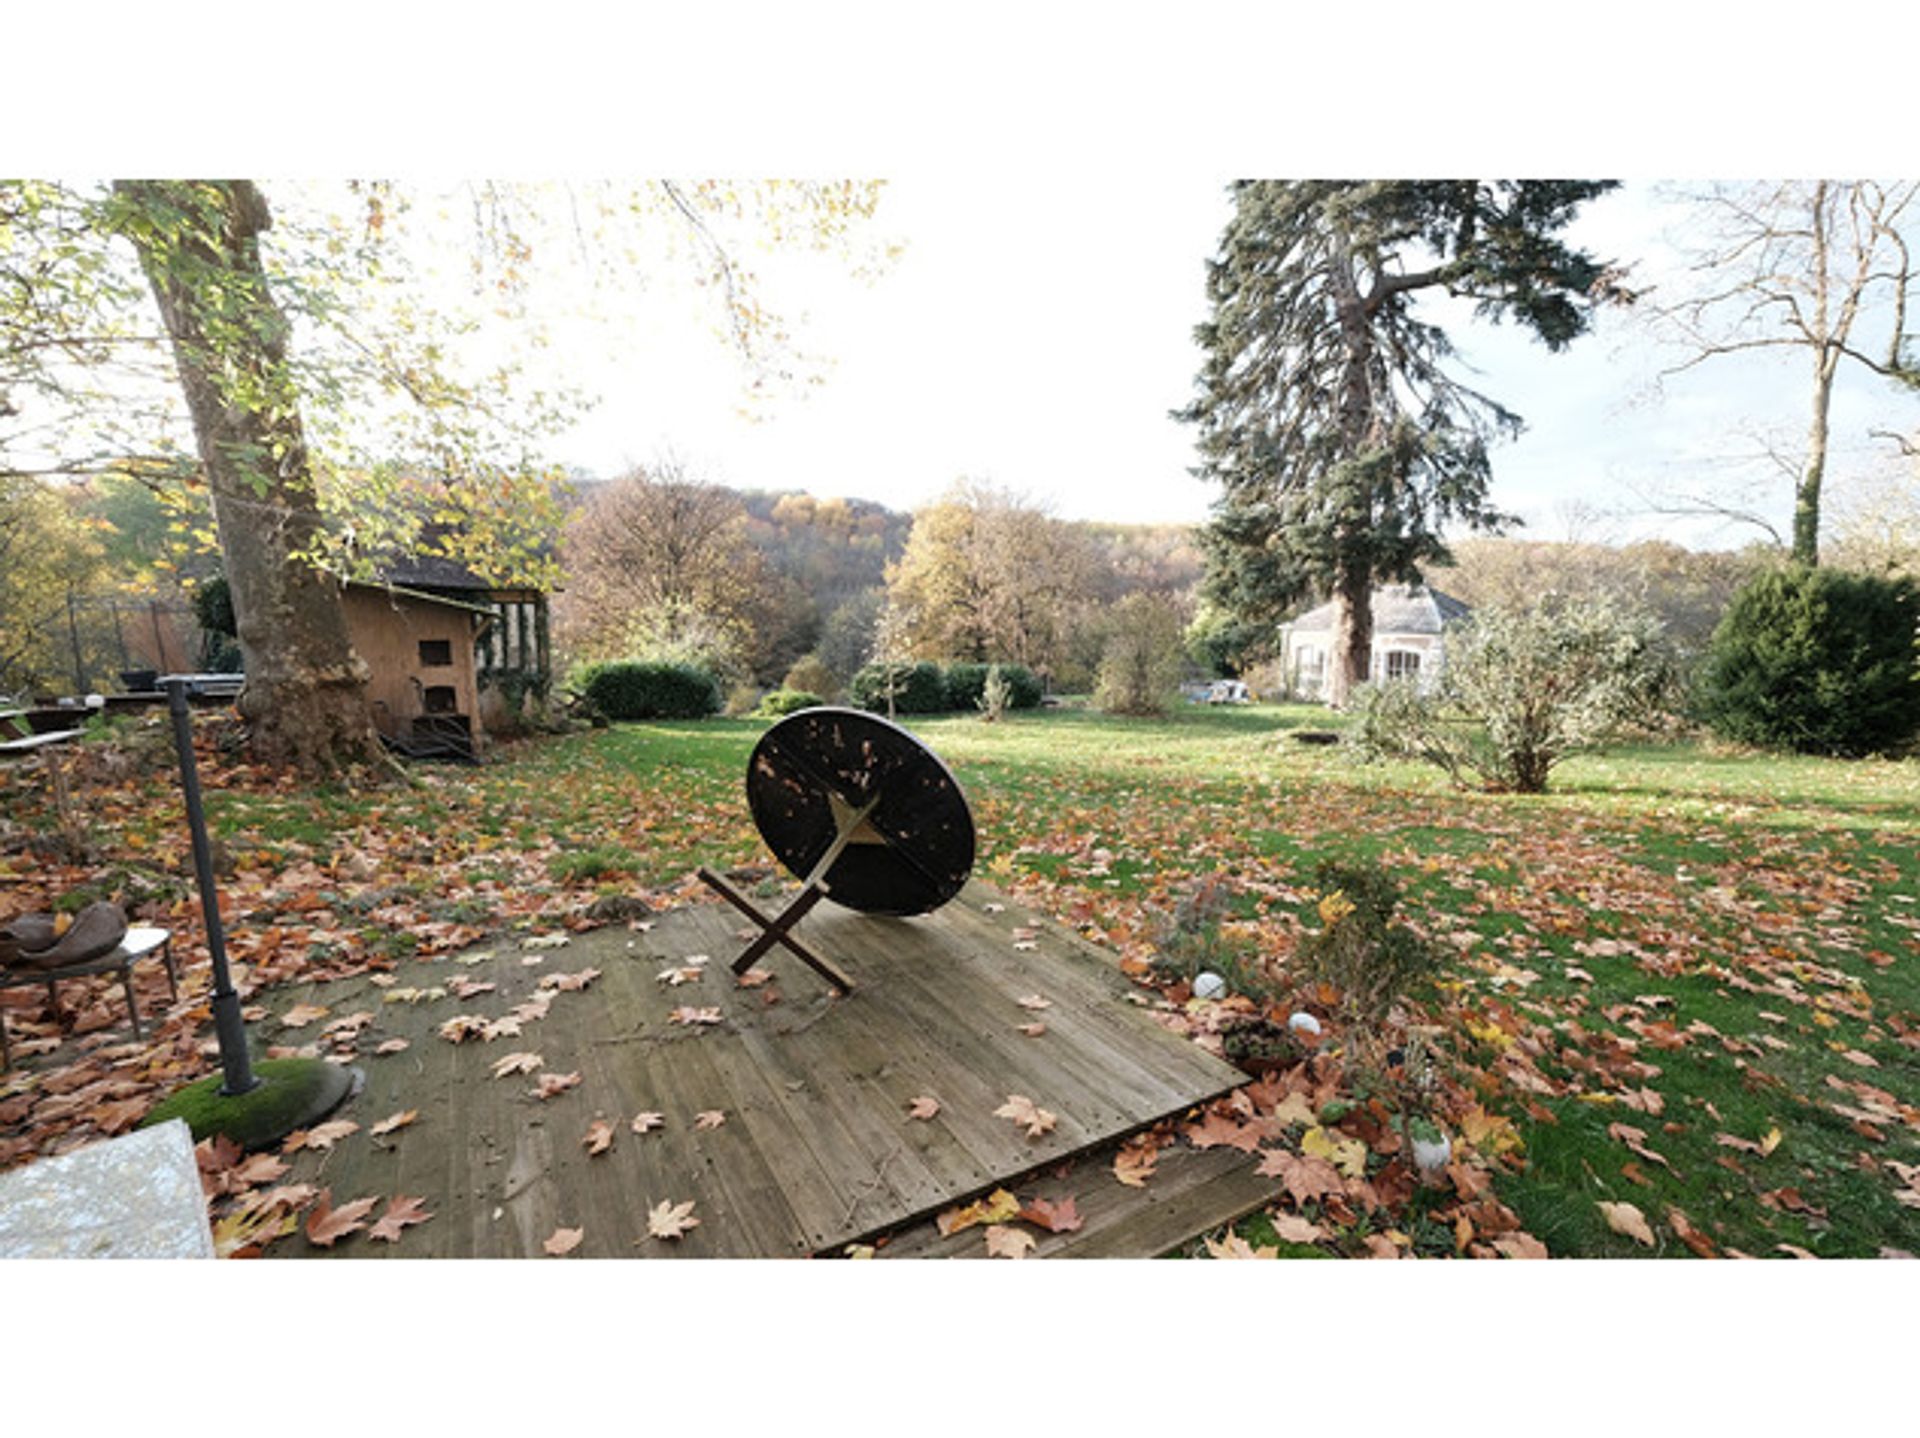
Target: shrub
x=811 y=675
x=649 y=689
x=1373 y=961
x=1144 y=656
x=782 y=702
x=996 y=695
x=1816 y=660
x=917 y=688
x=967 y=684
x=743 y=698
x=1523 y=689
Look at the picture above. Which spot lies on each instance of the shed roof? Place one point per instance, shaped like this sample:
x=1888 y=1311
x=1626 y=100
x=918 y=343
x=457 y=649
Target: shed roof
x=1397 y=609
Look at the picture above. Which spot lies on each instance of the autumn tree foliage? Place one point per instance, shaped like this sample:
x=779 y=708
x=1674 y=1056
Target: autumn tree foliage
x=659 y=566
x=1340 y=437
x=1144 y=655
x=987 y=576
x=48 y=554
x=336 y=417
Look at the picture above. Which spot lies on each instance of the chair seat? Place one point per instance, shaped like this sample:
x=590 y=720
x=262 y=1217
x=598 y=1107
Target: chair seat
x=139 y=941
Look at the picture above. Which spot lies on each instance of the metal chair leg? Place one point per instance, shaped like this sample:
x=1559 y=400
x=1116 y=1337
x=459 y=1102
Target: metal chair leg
x=133 y=1006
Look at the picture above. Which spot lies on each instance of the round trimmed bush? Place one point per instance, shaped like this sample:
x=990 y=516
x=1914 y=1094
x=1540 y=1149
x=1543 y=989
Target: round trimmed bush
x=917 y=688
x=1819 y=661
x=650 y=689
x=782 y=702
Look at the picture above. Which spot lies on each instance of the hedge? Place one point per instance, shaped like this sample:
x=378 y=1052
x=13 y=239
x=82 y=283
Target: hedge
x=650 y=689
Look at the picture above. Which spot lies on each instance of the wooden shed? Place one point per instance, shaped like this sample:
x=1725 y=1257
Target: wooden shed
x=420 y=648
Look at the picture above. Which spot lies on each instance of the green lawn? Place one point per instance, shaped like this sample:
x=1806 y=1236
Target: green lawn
x=1720 y=952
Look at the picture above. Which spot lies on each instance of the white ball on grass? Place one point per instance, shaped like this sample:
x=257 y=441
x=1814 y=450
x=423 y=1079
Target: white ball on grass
x=1304 y=1023
x=1208 y=985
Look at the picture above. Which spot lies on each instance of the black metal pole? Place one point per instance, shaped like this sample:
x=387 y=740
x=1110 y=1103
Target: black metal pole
x=228 y=1027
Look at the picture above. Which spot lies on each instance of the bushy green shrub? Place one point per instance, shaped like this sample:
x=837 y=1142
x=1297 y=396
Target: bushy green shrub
x=811 y=674
x=1522 y=689
x=781 y=702
x=967 y=684
x=1140 y=666
x=649 y=689
x=1358 y=947
x=1819 y=661
x=917 y=688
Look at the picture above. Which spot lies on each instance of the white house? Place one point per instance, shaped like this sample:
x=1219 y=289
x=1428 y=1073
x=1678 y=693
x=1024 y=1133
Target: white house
x=1407 y=624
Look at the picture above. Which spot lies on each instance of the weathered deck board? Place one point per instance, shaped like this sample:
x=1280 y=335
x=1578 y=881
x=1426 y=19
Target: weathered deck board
x=817 y=1150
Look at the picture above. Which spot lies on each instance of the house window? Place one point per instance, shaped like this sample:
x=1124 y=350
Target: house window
x=1403 y=664
x=439 y=699
x=436 y=653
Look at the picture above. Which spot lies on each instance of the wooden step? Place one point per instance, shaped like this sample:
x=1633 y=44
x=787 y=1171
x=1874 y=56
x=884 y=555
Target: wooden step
x=1192 y=1192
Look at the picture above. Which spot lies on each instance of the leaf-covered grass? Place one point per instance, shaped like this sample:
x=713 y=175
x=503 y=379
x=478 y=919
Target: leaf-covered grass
x=1712 y=957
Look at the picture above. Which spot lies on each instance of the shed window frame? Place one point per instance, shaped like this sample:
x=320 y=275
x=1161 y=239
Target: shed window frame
x=436 y=653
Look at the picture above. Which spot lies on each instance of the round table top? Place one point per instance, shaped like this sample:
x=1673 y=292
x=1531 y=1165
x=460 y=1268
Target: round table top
x=817 y=768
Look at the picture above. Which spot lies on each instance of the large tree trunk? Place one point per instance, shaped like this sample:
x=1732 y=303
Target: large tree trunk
x=1806 y=498
x=1351 y=662
x=305 y=697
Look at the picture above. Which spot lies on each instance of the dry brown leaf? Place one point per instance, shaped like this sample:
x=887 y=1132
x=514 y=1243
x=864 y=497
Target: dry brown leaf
x=1023 y=1110
x=1520 y=1245
x=1234 y=1246
x=1133 y=1165
x=1304 y=1176
x=402 y=1212
x=668 y=1219
x=923 y=1107
x=260 y=1168
x=1005 y=1241
x=752 y=978
x=1684 y=1230
x=300 y=1015
x=326 y=1225
x=462 y=1027
x=563 y=1241
x=521 y=1063
x=1217 y=1128
x=393 y=1121
x=549 y=1085
x=1032 y=1031
x=323 y=1136
x=999 y=1206
x=710 y=1118
x=390 y=1046
x=686 y=1014
x=1625 y=1219
x=1035 y=1001
x=599 y=1137
x=1061 y=1217
x=1295 y=1229
x=648 y=1121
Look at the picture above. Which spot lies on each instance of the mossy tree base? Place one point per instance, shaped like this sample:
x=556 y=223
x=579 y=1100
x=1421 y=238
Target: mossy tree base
x=291 y=1094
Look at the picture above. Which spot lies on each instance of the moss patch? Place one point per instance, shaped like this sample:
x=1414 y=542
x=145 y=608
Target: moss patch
x=291 y=1094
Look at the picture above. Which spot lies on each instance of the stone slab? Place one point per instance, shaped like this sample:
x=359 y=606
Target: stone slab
x=136 y=1196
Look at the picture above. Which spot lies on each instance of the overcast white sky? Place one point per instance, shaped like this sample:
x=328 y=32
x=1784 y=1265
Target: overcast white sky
x=1038 y=328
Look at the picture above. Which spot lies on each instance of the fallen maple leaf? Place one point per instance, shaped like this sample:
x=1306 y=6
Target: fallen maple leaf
x=686 y=1014
x=549 y=1085
x=1293 y=1109
x=1349 y=1155
x=1133 y=1165
x=1032 y=1031
x=1684 y=1230
x=1004 y=1241
x=648 y=1121
x=1295 y=1229
x=752 y=978
x=393 y=1121
x=1061 y=1217
x=923 y=1107
x=261 y=1168
x=563 y=1241
x=1624 y=1218
x=710 y=1118
x=999 y=1206
x=326 y=1225
x=390 y=1046
x=1520 y=1245
x=1217 y=1129
x=322 y=1137
x=300 y=1015
x=1035 y=1001
x=1304 y=1177
x=244 y=1232
x=462 y=1027
x=522 y=1063
x=402 y=1212
x=1023 y=1110
x=599 y=1137
x=1234 y=1246
x=668 y=1219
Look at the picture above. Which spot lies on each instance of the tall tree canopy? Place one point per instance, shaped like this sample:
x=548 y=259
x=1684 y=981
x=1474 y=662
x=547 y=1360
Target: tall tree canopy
x=336 y=412
x=1822 y=267
x=1326 y=410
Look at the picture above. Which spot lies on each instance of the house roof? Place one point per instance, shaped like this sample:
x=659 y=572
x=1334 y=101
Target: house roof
x=406 y=592
x=1397 y=609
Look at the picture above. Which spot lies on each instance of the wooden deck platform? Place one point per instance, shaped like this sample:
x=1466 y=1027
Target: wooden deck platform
x=817 y=1149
